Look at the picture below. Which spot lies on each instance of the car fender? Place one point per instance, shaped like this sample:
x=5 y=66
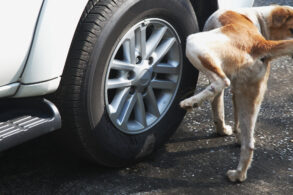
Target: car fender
x=54 y=33
x=16 y=35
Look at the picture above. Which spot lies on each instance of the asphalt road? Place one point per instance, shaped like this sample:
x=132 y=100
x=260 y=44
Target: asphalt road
x=194 y=161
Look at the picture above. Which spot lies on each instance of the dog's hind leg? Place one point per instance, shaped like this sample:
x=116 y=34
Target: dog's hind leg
x=236 y=129
x=219 y=115
x=248 y=99
x=209 y=93
x=217 y=77
x=247 y=119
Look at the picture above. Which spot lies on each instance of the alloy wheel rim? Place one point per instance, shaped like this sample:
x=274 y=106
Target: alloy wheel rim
x=143 y=76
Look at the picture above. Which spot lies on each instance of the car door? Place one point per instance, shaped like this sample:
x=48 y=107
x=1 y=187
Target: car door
x=18 y=20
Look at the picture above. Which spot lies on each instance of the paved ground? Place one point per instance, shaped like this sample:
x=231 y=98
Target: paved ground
x=194 y=161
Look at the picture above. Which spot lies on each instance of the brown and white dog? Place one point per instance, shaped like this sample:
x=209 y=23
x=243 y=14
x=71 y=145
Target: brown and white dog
x=236 y=50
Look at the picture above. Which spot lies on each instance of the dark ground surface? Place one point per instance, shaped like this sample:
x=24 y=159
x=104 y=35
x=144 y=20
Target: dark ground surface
x=194 y=161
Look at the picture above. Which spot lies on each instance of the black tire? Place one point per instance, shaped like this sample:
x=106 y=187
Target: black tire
x=81 y=93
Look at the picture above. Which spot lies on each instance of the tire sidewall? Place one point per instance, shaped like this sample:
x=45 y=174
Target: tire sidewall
x=104 y=138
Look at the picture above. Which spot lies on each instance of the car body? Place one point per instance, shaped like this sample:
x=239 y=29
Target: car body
x=37 y=40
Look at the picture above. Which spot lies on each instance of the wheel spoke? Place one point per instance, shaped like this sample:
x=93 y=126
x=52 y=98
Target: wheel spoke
x=120 y=65
x=166 y=69
x=163 y=49
x=140 y=114
x=151 y=101
x=163 y=84
x=128 y=108
x=118 y=83
x=154 y=40
x=141 y=40
x=118 y=102
x=129 y=48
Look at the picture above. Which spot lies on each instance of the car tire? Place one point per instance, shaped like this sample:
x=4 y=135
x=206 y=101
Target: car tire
x=81 y=95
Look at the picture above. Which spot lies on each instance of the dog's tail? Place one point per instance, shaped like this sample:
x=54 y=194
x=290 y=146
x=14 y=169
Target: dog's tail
x=274 y=49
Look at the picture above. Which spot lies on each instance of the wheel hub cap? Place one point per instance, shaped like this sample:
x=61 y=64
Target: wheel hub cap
x=144 y=76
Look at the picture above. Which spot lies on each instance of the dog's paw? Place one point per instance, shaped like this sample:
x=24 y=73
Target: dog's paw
x=235 y=175
x=227 y=130
x=186 y=105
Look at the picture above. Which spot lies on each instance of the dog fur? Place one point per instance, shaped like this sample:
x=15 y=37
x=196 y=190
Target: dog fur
x=236 y=51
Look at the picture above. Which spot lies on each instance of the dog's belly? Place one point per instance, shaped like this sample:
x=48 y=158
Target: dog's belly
x=249 y=78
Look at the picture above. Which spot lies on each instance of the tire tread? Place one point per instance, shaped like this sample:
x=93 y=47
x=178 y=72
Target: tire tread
x=95 y=16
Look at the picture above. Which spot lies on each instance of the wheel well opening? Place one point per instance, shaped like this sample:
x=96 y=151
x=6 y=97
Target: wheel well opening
x=203 y=9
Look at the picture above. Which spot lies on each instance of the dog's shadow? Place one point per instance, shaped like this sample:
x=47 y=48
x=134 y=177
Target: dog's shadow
x=189 y=147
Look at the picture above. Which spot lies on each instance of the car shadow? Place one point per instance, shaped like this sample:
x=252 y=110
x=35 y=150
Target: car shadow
x=41 y=166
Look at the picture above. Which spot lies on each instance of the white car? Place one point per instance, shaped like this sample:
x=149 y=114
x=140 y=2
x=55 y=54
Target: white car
x=110 y=72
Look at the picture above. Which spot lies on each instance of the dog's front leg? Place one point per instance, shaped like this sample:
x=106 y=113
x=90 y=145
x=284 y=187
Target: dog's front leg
x=219 y=115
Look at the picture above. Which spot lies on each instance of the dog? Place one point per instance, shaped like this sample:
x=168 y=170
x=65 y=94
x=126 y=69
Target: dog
x=235 y=50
